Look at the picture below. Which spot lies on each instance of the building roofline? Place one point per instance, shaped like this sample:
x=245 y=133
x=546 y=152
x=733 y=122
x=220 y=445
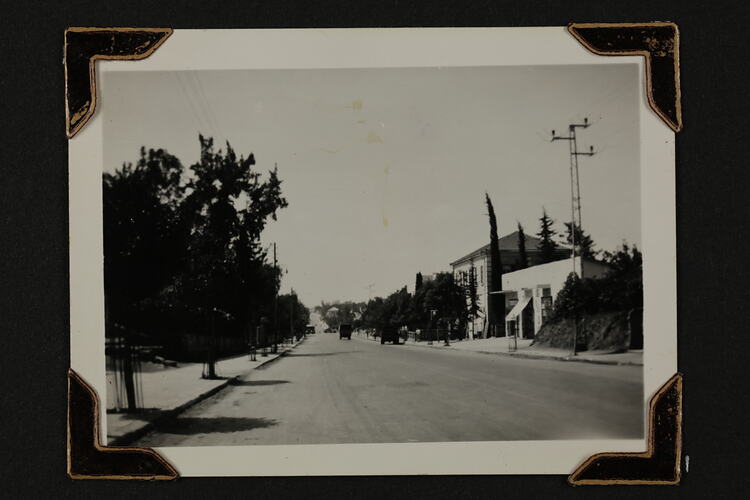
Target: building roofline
x=585 y=260
x=485 y=248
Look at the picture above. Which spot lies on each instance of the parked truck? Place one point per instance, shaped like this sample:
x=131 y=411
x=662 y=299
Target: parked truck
x=389 y=334
x=345 y=331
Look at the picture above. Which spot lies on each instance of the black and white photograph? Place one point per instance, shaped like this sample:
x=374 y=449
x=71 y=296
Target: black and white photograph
x=373 y=255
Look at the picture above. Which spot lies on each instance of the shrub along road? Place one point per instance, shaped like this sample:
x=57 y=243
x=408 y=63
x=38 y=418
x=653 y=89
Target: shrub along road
x=356 y=391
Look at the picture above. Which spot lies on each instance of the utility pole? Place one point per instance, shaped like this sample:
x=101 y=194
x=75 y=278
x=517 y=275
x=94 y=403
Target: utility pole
x=369 y=291
x=575 y=198
x=432 y=325
x=292 y=303
x=212 y=345
x=275 y=301
x=575 y=187
x=127 y=370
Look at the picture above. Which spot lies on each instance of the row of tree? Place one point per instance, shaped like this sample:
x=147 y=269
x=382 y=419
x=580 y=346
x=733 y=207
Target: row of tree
x=182 y=251
x=621 y=288
x=548 y=245
x=339 y=312
x=442 y=299
x=438 y=301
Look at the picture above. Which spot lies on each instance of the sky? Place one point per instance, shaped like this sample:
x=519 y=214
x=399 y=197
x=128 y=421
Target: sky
x=385 y=170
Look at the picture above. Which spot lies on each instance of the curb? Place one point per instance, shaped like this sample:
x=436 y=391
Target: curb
x=147 y=427
x=565 y=358
x=535 y=356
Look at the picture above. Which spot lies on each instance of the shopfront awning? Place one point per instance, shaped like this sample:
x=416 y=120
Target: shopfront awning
x=517 y=309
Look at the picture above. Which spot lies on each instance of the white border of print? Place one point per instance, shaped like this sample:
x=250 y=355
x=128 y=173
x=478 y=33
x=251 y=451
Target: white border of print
x=350 y=48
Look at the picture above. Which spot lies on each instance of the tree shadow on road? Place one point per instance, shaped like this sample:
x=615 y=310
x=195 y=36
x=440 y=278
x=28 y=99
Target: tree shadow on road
x=252 y=383
x=144 y=414
x=208 y=425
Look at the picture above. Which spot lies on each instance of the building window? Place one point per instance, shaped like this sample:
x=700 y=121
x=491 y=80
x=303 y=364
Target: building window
x=546 y=306
x=481 y=275
x=511 y=299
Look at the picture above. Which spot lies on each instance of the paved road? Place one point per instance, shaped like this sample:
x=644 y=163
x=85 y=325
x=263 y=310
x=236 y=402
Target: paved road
x=358 y=391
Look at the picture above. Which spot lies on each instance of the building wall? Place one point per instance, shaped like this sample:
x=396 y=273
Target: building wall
x=546 y=280
x=540 y=281
x=460 y=275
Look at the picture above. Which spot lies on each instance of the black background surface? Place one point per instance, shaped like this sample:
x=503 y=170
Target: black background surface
x=712 y=226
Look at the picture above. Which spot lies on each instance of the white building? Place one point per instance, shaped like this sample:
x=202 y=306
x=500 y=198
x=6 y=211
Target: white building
x=477 y=263
x=530 y=293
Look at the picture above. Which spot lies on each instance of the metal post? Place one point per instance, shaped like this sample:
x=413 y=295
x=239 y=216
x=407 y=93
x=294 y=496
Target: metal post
x=212 y=346
x=575 y=202
x=291 y=313
x=432 y=325
x=264 y=336
x=257 y=339
x=571 y=147
x=127 y=369
x=275 y=302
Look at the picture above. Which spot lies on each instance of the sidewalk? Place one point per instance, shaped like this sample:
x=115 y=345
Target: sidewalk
x=499 y=346
x=169 y=391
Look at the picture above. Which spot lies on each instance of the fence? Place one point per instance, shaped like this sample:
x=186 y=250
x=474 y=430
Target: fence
x=194 y=346
x=431 y=335
x=123 y=362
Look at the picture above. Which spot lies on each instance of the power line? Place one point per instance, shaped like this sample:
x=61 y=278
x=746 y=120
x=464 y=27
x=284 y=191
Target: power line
x=196 y=115
x=210 y=111
x=190 y=82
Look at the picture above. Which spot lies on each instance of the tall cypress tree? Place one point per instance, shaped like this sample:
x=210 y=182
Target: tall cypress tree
x=418 y=282
x=471 y=293
x=546 y=245
x=496 y=302
x=523 y=259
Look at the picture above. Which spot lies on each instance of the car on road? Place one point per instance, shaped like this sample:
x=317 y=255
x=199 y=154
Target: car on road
x=345 y=331
x=309 y=329
x=389 y=334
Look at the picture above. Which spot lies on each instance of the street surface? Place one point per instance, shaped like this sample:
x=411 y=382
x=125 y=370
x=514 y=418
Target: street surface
x=359 y=391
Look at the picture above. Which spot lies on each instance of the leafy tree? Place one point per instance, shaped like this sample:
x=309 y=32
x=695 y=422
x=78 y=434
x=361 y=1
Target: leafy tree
x=448 y=298
x=620 y=289
x=374 y=314
x=393 y=311
x=345 y=312
x=184 y=246
x=227 y=209
x=523 y=259
x=624 y=282
x=418 y=282
x=143 y=231
x=584 y=245
x=496 y=302
x=472 y=299
x=293 y=315
x=401 y=309
x=546 y=245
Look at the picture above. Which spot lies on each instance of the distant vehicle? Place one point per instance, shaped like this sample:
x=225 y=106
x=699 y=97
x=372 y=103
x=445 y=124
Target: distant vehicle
x=389 y=334
x=345 y=331
x=309 y=329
